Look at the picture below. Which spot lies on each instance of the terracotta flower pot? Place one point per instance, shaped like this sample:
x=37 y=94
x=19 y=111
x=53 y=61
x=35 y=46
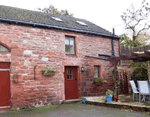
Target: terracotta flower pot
x=115 y=98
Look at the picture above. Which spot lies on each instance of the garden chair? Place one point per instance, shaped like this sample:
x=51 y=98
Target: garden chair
x=143 y=89
x=134 y=89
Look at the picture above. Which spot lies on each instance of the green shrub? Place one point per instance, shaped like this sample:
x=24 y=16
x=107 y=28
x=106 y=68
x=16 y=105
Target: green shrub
x=98 y=80
x=110 y=93
x=47 y=71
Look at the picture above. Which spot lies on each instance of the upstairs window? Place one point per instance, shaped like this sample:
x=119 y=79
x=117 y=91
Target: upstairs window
x=3 y=49
x=96 y=72
x=69 y=45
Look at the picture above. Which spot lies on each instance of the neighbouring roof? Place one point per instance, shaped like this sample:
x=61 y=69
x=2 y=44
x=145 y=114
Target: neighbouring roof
x=35 y=18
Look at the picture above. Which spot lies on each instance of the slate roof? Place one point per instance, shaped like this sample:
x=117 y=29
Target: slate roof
x=35 y=18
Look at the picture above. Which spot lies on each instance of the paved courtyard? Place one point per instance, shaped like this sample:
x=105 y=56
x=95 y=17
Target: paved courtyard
x=123 y=100
x=78 y=110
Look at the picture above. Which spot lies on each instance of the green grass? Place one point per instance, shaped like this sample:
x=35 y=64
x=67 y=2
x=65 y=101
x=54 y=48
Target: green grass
x=46 y=108
x=38 y=109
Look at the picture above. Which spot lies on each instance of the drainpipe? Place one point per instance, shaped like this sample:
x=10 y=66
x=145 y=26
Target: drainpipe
x=112 y=43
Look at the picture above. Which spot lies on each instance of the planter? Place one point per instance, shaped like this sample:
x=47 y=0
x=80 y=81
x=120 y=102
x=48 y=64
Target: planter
x=108 y=98
x=97 y=84
x=48 y=71
x=98 y=81
x=115 y=98
x=49 y=74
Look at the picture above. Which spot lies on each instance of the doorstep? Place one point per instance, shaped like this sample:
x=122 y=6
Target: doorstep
x=71 y=101
x=4 y=109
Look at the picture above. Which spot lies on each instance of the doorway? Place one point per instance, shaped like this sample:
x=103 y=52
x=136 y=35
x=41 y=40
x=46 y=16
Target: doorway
x=4 y=84
x=71 y=82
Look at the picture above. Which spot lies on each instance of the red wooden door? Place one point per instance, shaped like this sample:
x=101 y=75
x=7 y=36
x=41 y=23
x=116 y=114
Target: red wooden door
x=4 y=84
x=71 y=83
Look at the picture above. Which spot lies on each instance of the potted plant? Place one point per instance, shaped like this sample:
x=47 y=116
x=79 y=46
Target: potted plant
x=109 y=95
x=98 y=81
x=48 y=71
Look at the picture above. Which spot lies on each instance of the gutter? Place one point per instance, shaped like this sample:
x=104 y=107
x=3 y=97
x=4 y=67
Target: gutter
x=96 y=57
x=106 y=55
x=55 y=27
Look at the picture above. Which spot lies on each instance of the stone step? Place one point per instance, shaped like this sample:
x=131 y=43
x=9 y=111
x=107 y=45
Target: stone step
x=4 y=109
x=72 y=101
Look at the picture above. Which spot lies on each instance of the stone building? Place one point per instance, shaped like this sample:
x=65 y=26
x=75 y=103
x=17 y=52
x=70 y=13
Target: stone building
x=31 y=40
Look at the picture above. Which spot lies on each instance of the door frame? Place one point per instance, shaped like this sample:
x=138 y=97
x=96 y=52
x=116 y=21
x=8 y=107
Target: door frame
x=77 y=67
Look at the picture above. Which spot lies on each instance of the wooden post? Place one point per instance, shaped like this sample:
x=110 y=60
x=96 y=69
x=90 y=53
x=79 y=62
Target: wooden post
x=116 y=81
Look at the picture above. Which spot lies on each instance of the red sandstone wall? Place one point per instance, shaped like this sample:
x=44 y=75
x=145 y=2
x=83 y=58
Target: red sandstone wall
x=32 y=47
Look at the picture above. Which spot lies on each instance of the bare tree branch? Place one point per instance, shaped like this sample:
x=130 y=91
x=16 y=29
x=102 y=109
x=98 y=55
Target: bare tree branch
x=144 y=28
x=136 y=20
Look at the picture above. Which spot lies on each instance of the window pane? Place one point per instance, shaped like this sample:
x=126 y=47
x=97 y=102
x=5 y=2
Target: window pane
x=70 y=71
x=96 y=75
x=66 y=41
x=71 y=49
x=70 y=77
x=67 y=49
x=71 y=41
x=69 y=74
x=2 y=48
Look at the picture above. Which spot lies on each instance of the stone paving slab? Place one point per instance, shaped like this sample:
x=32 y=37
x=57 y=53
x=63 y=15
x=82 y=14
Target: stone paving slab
x=101 y=101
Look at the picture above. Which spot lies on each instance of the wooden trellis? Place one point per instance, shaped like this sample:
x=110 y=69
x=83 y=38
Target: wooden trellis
x=139 y=54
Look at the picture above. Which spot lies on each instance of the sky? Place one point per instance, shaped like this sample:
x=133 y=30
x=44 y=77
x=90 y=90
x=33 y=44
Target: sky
x=104 y=13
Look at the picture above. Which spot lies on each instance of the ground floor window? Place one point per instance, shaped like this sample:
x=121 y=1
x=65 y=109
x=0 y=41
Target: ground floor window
x=96 y=71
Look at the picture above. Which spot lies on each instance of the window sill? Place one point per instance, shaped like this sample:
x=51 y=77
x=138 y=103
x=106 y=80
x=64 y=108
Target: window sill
x=73 y=55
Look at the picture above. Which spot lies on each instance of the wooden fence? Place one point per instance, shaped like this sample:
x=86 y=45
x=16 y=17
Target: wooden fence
x=133 y=50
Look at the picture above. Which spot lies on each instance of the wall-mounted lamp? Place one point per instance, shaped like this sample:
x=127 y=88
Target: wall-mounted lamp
x=82 y=69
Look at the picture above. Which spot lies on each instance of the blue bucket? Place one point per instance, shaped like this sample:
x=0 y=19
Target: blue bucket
x=83 y=100
x=108 y=98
